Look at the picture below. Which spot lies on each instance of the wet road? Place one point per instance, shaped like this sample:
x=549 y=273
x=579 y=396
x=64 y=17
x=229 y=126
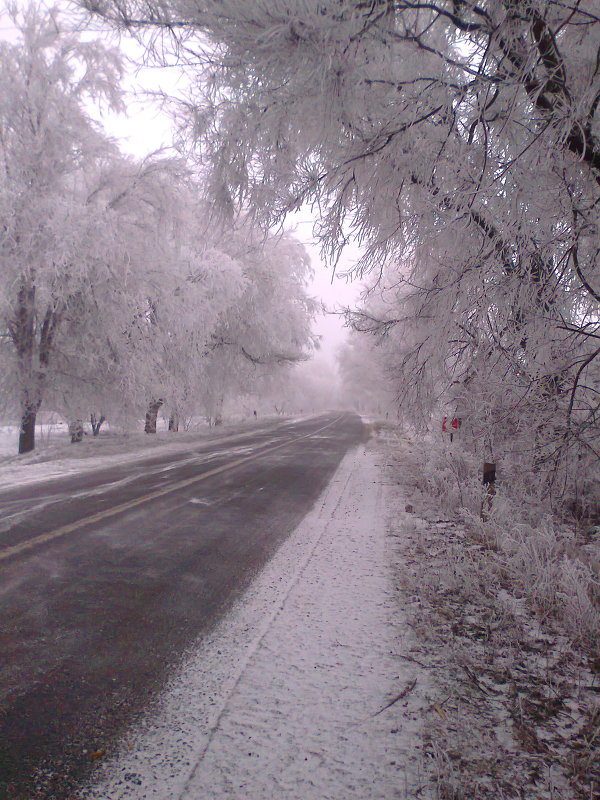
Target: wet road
x=106 y=579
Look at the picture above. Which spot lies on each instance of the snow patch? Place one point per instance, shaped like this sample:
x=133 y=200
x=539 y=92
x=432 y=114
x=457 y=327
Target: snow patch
x=61 y=459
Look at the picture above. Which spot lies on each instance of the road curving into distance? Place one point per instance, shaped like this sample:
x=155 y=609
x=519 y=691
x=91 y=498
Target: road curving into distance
x=107 y=577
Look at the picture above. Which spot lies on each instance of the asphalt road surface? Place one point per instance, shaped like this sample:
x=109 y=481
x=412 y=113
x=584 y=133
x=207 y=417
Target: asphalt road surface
x=108 y=577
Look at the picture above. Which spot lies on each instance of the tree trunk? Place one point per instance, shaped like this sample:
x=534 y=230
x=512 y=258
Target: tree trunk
x=174 y=422
x=96 y=423
x=489 y=481
x=27 y=432
x=151 y=415
x=32 y=375
x=218 y=418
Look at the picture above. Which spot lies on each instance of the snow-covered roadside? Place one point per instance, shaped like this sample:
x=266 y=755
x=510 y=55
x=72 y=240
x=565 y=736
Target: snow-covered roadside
x=307 y=689
x=63 y=458
x=518 y=698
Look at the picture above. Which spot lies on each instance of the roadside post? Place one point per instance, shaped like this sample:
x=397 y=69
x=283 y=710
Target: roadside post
x=489 y=482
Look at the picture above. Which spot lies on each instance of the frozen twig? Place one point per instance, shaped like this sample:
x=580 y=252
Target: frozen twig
x=414 y=661
x=407 y=689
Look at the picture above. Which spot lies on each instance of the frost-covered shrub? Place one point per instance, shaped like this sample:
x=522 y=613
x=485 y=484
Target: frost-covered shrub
x=579 y=593
x=522 y=544
x=531 y=559
x=451 y=475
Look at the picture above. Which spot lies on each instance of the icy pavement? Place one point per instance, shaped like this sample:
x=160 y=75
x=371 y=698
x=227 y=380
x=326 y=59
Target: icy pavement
x=304 y=690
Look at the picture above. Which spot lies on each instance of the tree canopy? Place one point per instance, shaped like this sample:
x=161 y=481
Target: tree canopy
x=459 y=143
x=119 y=291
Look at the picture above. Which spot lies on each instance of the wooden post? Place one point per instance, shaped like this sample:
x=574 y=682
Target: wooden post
x=489 y=481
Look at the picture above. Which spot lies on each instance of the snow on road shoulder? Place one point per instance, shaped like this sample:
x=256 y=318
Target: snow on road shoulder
x=65 y=459
x=306 y=689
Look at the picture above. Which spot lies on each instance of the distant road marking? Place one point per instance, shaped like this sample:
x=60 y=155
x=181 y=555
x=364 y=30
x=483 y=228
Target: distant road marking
x=111 y=512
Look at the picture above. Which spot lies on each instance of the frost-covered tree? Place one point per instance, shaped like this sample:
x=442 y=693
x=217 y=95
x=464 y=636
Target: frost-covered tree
x=458 y=141
x=91 y=240
x=118 y=287
x=141 y=291
x=269 y=322
x=366 y=384
x=48 y=235
x=267 y=326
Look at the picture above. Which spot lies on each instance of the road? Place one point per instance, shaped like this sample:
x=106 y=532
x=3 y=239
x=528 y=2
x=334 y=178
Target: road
x=108 y=577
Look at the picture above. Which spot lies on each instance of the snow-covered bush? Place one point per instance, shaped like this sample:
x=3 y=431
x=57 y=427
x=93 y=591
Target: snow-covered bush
x=579 y=593
x=451 y=474
x=528 y=549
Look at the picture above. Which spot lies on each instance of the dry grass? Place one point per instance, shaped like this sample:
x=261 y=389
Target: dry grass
x=507 y=615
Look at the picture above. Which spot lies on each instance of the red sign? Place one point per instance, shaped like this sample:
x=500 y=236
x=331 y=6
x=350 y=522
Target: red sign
x=455 y=424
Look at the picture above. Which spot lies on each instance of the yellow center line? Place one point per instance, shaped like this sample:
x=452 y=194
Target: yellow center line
x=8 y=552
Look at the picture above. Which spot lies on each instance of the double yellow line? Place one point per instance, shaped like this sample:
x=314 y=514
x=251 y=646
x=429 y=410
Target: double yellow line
x=9 y=552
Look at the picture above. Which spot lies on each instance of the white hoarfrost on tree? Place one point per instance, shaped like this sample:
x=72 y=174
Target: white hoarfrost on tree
x=120 y=295
x=48 y=233
x=86 y=244
x=459 y=142
x=143 y=303
x=239 y=314
x=366 y=381
x=267 y=327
